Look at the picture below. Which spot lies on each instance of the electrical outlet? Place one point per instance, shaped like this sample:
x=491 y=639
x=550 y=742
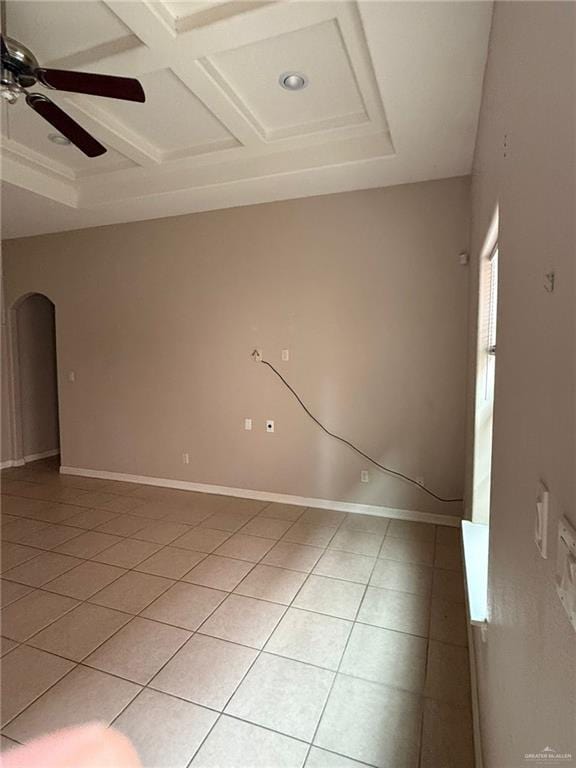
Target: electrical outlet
x=285 y=355
x=248 y=424
x=185 y=458
x=71 y=377
x=269 y=425
x=364 y=476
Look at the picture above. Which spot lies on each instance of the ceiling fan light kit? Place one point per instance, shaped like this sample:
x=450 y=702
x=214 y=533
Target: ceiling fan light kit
x=21 y=71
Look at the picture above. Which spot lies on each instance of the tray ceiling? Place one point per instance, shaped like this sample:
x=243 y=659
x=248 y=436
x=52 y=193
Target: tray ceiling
x=393 y=96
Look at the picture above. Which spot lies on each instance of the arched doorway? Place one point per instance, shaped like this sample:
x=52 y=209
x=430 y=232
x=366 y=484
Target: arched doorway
x=37 y=433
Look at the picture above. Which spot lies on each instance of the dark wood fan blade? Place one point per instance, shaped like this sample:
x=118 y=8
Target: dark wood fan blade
x=65 y=125
x=126 y=88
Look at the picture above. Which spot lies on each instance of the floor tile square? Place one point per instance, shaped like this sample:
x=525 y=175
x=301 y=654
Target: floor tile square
x=400 y=611
x=288 y=512
x=201 y=539
x=310 y=534
x=185 y=605
x=32 y=613
x=407 y=529
x=127 y=553
x=282 y=694
x=42 y=569
x=10 y=591
x=26 y=676
x=448 y=622
x=88 y=544
x=320 y=758
x=333 y=597
x=403 y=577
x=346 y=566
x=83 y=695
x=16 y=554
x=447 y=738
x=408 y=550
x=219 y=572
x=267 y=527
x=358 y=542
x=84 y=580
x=236 y=744
x=162 y=532
x=448 y=585
x=450 y=535
x=269 y=583
x=124 y=525
x=79 y=632
x=241 y=547
x=323 y=517
x=227 y=521
x=18 y=529
x=310 y=637
x=206 y=671
x=448 y=673
x=6 y=743
x=171 y=562
x=384 y=656
x=132 y=592
x=244 y=620
x=150 y=510
x=297 y=557
x=367 y=523
x=49 y=536
x=372 y=723
x=165 y=731
x=90 y=518
x=448 y=556
x=138 y=650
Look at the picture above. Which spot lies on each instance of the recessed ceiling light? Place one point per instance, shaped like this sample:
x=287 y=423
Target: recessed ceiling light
x=293 y=81
x=57 y=138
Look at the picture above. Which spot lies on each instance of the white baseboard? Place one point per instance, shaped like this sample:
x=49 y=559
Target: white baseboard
x=27 y=459
x=280 y=498
x=12 y=463
x=44 y=455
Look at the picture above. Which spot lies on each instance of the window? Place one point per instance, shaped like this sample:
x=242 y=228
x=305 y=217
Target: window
x=485 y=378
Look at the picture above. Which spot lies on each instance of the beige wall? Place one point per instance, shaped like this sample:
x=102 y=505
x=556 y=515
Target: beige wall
x=527 y=668
x=158 y=319
x=37 y=372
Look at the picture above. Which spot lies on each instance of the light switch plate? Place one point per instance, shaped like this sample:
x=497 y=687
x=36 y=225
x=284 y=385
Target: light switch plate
x=541 y=519
x=566 y=568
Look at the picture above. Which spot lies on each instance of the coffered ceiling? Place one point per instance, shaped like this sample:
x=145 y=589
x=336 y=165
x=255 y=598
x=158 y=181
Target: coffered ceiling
x=393 y=96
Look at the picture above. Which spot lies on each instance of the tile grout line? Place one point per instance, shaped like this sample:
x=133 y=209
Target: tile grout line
x=326 y=547
x=257 y=657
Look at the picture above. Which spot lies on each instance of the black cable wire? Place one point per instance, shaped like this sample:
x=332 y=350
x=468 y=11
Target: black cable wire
x=351 y=445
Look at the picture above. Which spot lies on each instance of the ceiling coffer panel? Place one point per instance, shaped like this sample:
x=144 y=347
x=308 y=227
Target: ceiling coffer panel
x=332 y=98
x=55 y=30
x=195 y=130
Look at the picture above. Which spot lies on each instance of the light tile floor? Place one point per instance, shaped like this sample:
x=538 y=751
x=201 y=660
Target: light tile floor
x=229 y=633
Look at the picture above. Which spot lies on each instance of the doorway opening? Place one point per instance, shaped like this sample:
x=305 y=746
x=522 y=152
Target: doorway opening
x=37 y=430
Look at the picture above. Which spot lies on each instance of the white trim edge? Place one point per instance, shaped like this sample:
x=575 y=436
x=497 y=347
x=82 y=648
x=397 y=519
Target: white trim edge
x=12 y=463
x=280 y=498
x=27 y=459
x=44 y=455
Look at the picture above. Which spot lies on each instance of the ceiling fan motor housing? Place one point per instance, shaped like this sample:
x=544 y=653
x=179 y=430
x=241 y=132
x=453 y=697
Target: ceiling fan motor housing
x=19 y=62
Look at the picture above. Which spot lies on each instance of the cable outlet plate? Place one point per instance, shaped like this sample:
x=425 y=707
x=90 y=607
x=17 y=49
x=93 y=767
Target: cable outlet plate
x=269 y=425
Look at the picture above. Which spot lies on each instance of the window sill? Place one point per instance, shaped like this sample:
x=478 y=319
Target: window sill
x=475 y=543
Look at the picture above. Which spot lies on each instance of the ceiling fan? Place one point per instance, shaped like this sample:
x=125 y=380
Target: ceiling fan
x=21 y=71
